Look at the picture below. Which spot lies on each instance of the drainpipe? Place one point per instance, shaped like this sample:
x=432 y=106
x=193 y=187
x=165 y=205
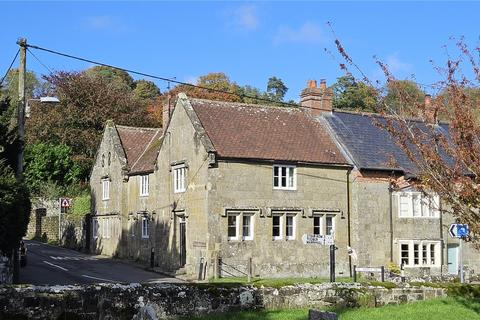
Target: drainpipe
x=443 y=246
x=390 y=193
x=348 y=222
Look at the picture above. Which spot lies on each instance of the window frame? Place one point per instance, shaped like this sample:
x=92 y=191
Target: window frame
x=433 y=248
x=105 y=189
x=239 y=225
x=294 y=226
x=179 y=177
x=251 y=226
x=144 y=185
x=105 y=228
x=235 y=215
x=322 y=216
x=145 y=231
x=95 y=228
x=287 y=177
x=414 y=204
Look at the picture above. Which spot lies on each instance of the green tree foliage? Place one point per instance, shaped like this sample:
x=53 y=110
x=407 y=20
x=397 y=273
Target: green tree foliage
x=115 y=77
x=47 y=162
x=86 y=103
x=146 y=90
x=14 y=209
x=402 y=96
x=220 y=81
x=276 y=89
x=350 y=94
x=33 y=86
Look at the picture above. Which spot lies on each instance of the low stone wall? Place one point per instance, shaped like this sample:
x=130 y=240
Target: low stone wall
x=6 y=272
x=169 y=301
x=45 y=227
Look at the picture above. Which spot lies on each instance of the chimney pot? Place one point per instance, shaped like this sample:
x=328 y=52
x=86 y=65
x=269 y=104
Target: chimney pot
x=316 y=100
x=323 y=84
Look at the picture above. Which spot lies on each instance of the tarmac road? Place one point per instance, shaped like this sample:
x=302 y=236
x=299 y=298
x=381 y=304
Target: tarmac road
x=51 y=265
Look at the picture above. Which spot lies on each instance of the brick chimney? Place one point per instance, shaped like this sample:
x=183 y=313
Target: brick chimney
x=430 y=112
x=317 y=99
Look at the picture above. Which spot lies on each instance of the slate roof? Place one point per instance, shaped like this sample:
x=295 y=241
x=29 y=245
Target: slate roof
x=369 y=146
x=141 y=146
x=245 y=131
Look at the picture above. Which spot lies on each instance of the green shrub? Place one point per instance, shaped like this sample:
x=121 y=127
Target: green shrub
x=81 y=205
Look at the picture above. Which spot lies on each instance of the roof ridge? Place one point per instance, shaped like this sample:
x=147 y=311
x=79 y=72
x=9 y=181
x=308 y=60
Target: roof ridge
x=137 y=128
x=378 y=115
x=243 y=104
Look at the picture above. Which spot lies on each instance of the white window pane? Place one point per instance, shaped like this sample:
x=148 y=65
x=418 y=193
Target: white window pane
x=329 y=225
x=416 y=202
x=289 y=231
x=416 y=254
x=276 y=226
x=232 y=226
x=317 y=225
x=405 y=205
x=247 y=226
x=290 y=177
x=404 y=252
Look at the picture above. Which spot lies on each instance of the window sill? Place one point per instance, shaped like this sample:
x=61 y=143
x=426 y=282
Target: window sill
x=144 y=196
x=179 y=191
x=419 y=218
x=145 y=237
x=277 y=239
x=285 y=189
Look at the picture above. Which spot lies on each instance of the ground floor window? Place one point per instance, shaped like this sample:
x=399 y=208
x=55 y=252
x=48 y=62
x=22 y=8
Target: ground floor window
x=419 y=253
x=95 y=228
x=324 y=224
x=283 y=225
x=145 y=227
x=240 y=225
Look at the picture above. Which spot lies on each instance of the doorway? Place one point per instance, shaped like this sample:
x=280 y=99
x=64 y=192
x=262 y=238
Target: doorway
x=452 y=258
x=183 y=240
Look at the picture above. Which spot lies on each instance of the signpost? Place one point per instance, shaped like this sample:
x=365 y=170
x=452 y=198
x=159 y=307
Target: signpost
x=324 y=240
x=65 y=203
x=460 y=231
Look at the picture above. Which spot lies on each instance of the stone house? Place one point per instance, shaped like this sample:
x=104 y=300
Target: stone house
x=120 y=185
x=391 y=220
x=241 y=181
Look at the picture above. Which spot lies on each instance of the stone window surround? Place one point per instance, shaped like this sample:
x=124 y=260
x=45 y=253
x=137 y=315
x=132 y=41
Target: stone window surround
x=145 y=227
x=424 y=202
x=287 y=177
x=105 y=181
x=239 y=214
x=95 y=228
x=323 y=215
x=179 y=177
x=421 y=243
x=144 y=185
x=283 y=214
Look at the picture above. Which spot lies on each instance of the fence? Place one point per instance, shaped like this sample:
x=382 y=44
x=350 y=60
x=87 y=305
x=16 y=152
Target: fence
x=234 y=268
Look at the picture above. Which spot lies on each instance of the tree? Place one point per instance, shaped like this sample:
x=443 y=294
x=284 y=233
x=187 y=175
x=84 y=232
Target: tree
x=350 y=94
x=116 y=77
x=15 y=209
x=86 y=103
x=447 y=156
x=33 y=86
x=46 y=163
x=276 y=89
x=146 y=90
x=403 y=96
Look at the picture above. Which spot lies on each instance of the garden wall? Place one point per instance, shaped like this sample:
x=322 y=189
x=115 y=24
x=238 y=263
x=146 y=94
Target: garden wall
x=169 y=301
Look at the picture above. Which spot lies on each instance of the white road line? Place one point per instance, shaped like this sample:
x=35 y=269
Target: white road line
x=54 y=265
x=102 y=279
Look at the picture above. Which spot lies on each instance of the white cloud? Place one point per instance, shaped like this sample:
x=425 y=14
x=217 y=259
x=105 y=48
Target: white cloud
x=104 y=23
x=243 y=18
x=395 y=65
x=309 y=33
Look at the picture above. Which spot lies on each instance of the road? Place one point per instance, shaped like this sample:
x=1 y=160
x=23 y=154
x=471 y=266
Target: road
x=50 y=265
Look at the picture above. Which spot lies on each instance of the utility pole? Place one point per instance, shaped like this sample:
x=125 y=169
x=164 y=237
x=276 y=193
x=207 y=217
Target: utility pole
x=22 y=69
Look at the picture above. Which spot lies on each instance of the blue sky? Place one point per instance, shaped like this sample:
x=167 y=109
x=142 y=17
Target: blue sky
x=249 y=41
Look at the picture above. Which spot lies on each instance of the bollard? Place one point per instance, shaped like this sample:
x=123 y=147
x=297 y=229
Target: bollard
x=152 y=257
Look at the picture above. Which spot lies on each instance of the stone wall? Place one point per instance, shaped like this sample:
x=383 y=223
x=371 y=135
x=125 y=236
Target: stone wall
x=45 y=227
x=6 y=272
x=169 y=301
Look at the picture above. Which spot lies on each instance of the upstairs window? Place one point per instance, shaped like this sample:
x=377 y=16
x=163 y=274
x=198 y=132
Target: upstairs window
x=179 y=173
x=144 y=186
x=105 y=189
x=284 y=177
x=414 y=204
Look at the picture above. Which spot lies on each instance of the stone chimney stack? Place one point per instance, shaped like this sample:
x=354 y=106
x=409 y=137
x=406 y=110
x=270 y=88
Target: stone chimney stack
x=315 y=99
x=167 y=112
x=430 y=111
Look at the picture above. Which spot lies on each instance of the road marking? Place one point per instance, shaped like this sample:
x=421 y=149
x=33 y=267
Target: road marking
x=75 y=258
x=84 y=275
x=54 y=265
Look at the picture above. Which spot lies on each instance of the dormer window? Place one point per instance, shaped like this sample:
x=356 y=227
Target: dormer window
x=284 y=177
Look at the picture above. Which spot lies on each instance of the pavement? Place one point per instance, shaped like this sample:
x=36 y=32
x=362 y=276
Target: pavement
x=51 y=265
